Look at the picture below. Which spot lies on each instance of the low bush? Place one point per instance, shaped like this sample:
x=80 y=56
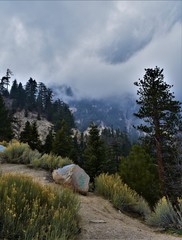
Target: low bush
x=32 y=211
x=14 y=153
x=122 y=197
x=166 y=216
x=4 y=143
x=17 y=152
x=50 y=162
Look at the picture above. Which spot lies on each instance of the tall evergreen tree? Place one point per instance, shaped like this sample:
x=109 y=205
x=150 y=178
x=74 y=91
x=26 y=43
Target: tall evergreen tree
x=6 y=132
x=34 y=141
x=31 y=91
x=26 y=133
x=94 y=153
x=14 y=94
x=14 y=89
x=21 y=96
x=48 y=103
x=161 y=115
x=60 y=111
x=47 y=147
x=41 y=98
x=30 y=135
x=63 y=144
x=5 y=81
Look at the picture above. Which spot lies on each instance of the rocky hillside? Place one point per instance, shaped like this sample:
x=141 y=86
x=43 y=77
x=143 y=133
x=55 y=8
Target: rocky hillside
x=43 y=125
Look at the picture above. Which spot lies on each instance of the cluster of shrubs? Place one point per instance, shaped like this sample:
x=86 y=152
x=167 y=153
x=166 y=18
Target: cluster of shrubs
x=17 y=152
x=32 y=211
x=164 y=215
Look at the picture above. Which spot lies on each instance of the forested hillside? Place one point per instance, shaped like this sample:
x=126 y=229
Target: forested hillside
x=46 y=124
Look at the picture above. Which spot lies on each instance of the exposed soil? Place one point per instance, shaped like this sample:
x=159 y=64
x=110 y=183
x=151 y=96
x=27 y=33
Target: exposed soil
x=99 y=220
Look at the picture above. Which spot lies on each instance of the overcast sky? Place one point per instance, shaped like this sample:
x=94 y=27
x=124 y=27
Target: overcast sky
x=99 y=48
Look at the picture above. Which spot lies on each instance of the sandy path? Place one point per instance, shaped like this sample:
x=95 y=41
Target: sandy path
x=99 y=220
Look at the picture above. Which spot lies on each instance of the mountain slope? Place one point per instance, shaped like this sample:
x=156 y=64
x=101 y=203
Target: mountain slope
x=113 y=113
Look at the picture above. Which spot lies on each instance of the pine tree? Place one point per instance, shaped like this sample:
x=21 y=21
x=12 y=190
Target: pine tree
x=31 y=91
x=14 y=89
x=5 y=82
x=140 y=173
x=34 y=140
x=63 y=144
x=94 y=153
x=161 y=115
x=30 y=135
x=25 y=135
x=42 y=97
x=14 y=94
x=6 y=132
x=21 y=96
x=47 y=147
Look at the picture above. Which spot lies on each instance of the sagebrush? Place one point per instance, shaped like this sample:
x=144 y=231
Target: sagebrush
x=166 y=215
x=122 y=197
x=21 y=153
x=32 y=211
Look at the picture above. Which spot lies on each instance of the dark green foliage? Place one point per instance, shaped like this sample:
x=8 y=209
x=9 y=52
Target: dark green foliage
x=25 y=134
x=60 y=111
x=34 y=141
x=14 y=89
x=6 y=132
x=5 y=82
x=62 y=144
x=31 y=91
x=47 y=147
x=94 y=153
x=30 y=135
x=161 y=114
x=140 y=173
x=79 y=147
x=37 y=97
x=118 y=144
x=21 y=97
x=17 y=93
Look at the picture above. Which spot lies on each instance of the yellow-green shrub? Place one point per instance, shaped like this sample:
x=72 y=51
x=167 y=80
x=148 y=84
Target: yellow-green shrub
x=122 y=197
x=166 y=216
x=31 y=211
x=14 y=153
x=4 y=143
x=50 y=162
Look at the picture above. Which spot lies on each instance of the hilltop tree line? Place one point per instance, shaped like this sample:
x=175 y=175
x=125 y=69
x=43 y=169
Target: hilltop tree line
x=35 y=97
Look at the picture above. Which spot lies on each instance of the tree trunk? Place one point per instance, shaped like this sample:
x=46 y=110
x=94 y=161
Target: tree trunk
x=160 y=166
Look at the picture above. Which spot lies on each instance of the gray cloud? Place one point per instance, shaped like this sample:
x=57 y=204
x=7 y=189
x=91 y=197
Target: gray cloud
x=99 y=48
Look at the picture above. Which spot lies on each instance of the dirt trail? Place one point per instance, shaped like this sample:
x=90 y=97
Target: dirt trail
x=99 y=220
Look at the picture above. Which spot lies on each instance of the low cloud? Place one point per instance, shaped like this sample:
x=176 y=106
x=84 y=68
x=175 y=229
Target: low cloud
x=98 y=48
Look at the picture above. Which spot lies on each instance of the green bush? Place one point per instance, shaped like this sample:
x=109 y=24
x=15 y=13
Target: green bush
x=122 y=197
x=50 y=162
x=14 y=153
x=21 y=153
x=138 y=171
x=166 y=216
x=32 y=211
